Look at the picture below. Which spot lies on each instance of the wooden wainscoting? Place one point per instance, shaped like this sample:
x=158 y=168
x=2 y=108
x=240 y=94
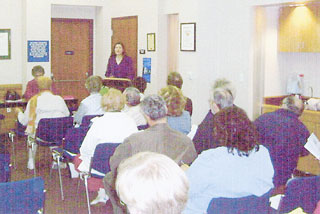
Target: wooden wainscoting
x=10 y=116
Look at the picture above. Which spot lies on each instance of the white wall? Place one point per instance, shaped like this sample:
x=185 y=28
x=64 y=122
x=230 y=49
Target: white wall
x=11 y=69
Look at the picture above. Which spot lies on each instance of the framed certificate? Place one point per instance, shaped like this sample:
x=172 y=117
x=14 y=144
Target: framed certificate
x=151 y=42
x=5 y=44
x=188 y=37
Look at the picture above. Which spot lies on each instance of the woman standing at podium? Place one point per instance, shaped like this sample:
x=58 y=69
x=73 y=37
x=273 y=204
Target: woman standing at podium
x=119 y=64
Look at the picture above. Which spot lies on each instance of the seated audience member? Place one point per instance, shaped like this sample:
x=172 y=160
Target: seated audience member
x=43 y=105
x=91 y=105
x=32 y=86
x=141 y=84
x=178 y=118
x=132 y=107
x=284 y=135
x=175 y=79
x=149 y=183
x=158 y=138
x=239 y=168
x=113 y=127
x=221 y=98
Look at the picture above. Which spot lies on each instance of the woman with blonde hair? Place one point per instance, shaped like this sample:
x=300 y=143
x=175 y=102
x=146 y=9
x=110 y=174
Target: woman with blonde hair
x=113 y=127
x=152 y=183
x=43 y=105
x=178 y=118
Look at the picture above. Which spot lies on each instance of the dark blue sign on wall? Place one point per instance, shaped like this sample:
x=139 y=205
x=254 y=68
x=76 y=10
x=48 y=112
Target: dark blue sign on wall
x=38 y=51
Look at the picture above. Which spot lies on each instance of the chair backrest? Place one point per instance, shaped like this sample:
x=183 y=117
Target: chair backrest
x=74 y=137
x=86 y=120
x=102 y=154
x=26 y=196
x=245 y=205
x=53 y=129
x=5 y=170
x=301 y=192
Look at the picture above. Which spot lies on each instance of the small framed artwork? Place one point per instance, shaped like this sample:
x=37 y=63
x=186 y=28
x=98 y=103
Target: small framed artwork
x=151 y=42
x=5 y=44
x=188 y=37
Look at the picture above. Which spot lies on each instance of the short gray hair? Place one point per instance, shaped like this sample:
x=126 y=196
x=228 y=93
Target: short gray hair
x=93 y=84
x=223 y=98
x=293 y=104
x=132 y=95
x=154 y=107
x=225 y=84
x=150 y=182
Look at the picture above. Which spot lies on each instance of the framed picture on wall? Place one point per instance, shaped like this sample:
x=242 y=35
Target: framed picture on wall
x=151 y=42
x=5 y=44
x=188 y=37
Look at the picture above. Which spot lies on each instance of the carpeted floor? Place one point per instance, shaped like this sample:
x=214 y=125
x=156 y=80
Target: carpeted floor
x=75 y=198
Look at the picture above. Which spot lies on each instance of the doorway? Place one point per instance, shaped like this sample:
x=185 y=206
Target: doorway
x=125 y=30
x=71 y=55
x=173 y=42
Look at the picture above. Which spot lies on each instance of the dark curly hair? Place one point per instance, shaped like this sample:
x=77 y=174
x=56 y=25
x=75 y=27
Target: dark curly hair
x=233 y=129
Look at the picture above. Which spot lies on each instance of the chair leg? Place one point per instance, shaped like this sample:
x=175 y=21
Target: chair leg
x=11 y=136
x=60 y=179
x=87 y=192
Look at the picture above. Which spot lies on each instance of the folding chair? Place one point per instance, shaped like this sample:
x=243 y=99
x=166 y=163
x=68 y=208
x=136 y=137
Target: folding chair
x=19 y=131
x=26 y=196
x=244 y=205
x=301 y=192
x=86 y=120
x=99 y=162
x=50 y=133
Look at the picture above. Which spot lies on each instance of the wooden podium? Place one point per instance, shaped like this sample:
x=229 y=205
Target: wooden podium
x=118 y=83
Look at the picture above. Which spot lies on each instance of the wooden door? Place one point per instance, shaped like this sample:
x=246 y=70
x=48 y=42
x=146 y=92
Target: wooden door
x=125 y=30
x=71 y=55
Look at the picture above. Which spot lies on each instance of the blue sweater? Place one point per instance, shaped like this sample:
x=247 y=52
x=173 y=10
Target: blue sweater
x=218 y=173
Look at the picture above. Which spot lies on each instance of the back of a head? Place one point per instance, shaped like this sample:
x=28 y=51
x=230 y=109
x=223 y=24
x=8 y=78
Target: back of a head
x=226 y=85
x=140 y=83
x=132 y=95
x=152 y=183
x=233 y=129
x=93 y=84
x=294 y=104
x=37 y=70
x=174 y=99
x=223 y=98
x=44 y=83
x=113 y=100
x=154 y=107
x=175 y=79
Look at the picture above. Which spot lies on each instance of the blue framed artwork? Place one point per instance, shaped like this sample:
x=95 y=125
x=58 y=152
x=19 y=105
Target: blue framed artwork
x=146 y=72
x=38 y=51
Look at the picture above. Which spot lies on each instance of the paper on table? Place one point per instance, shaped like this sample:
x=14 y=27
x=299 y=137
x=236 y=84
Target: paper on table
x=313 y=146
x=275 y=201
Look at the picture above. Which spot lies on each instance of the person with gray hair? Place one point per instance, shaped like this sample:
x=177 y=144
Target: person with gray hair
x=150 y=182
x=284 y=135
x=91 y=105
x=222 y=96
x=158 y=138
x=132 y=107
